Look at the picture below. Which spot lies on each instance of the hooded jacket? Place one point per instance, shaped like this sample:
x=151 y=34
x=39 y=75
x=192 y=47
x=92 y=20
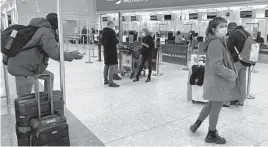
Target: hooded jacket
x=35 y=61
x=220 y=73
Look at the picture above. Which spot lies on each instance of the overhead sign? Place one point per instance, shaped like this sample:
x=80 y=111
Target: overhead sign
x=193 y=16
x=211 y=15
x=104 y=18
x=266 y=13
x=133 y=18
x=153 y=17
x=115 y=5
x=245 y=14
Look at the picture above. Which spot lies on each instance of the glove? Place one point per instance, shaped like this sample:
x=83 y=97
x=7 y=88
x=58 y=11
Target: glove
x=77 y=55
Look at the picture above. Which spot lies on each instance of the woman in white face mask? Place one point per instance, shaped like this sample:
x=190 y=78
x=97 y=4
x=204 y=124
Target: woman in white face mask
x=220 y=78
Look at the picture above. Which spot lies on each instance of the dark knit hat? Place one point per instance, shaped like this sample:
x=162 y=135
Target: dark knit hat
x=53 y=20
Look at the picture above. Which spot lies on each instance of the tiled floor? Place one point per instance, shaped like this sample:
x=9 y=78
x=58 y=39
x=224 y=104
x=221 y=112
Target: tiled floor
x=157 y=113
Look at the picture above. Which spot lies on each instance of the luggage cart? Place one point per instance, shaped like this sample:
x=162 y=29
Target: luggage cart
x=194 y=92
x=130 y=60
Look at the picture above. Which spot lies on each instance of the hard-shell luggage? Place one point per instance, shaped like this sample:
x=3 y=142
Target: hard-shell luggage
x=51 y=130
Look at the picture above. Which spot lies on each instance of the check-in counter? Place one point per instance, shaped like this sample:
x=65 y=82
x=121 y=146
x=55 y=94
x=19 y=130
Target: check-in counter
x=174 y=53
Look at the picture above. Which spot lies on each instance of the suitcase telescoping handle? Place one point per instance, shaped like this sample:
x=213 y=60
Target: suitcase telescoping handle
x=47 y=79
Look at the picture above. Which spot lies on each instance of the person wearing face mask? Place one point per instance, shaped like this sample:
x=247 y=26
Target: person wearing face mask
x=219 y=81
x=146 y=52
x=237 y=40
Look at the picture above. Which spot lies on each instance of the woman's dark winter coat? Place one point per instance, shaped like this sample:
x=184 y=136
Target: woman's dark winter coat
x=109 y=42
x=149 y=41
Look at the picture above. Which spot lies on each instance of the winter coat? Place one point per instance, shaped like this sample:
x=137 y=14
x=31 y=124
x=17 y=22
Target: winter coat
x=35 y=61
x=149 y=41
x=236 y=39
x=109 y=42
x=220 y=78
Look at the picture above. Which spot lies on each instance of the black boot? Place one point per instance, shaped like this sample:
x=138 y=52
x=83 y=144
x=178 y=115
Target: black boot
x=195 y=126
x=136 y=79
x=148 y=79
x=213 y=137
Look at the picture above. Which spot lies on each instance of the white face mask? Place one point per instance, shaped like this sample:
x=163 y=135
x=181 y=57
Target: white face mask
x=143 y=34
x=221 y=32
x=116 y=31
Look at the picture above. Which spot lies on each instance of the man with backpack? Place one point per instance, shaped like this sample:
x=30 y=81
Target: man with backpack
x=244 y=52
x=34 y=51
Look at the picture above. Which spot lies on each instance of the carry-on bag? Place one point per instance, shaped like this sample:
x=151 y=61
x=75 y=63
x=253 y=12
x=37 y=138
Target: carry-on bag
x=26 y=107
x=50 y=130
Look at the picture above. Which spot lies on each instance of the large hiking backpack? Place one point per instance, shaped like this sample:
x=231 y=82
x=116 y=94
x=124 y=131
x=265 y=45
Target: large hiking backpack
x=23 y=36
x=250 y=52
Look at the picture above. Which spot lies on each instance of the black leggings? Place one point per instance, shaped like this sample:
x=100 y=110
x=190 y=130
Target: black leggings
x=143 y=60
x=211 y=109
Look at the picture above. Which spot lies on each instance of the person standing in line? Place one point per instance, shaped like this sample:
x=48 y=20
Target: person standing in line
x=231 y=26
x=220 y=78
x=146 y=52
x=116 y=76
x=235 y=41
x=109 y=42
x=84 y=35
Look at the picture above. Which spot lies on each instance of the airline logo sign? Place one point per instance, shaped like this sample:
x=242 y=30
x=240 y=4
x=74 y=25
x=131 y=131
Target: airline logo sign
x=118 y=2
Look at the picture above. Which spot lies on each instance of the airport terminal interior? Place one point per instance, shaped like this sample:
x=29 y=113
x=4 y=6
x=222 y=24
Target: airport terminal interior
x=155 y=113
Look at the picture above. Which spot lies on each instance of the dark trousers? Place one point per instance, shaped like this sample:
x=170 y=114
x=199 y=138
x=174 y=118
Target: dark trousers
x=143 y=60
x=109 y=72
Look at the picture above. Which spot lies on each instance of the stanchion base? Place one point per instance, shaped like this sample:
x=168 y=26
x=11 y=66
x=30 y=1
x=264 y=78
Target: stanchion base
x=185 y=68
x=251 y=96
x=7 y=105
x=88 y=62
x=3 y=96
x=157 y=75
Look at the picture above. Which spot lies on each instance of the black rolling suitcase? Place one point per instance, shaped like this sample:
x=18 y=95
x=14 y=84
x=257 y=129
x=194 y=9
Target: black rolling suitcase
x=50 y=130
x=26 y=109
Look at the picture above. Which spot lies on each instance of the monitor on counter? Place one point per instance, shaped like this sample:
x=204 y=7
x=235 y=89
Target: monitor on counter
x=167 y=17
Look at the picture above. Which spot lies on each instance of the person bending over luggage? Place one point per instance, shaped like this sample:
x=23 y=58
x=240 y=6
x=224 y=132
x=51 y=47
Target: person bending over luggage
x=220 y=78
x=109 y=42
x=35 y=61
x=146 y=52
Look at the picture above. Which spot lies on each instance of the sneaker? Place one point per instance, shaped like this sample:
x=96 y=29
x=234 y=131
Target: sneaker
x=195 y=126
x=106 y=82
x=113 y=85
x=213 y=137
x=148 y=80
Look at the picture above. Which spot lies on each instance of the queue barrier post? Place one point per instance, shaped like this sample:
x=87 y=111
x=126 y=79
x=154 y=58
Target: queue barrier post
x=89 y=58
x=7 y=96
x=158 y=58
x=99 y=52
x=249 y=96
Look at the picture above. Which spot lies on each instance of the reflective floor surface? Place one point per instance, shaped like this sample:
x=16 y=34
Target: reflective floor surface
x=148 y=114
